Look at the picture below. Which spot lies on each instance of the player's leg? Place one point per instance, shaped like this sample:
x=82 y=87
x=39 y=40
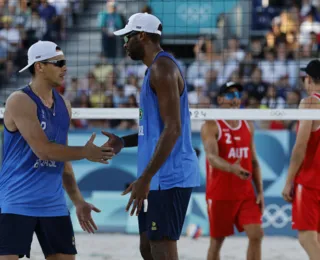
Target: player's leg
x=309 y=242
x=249 y=219
x=16 y=232
x=215 y=248
x=305 y=219
x=166 y=214
x=221 y=219
x=56 y=237
x=165 y=249
x=145 y=249
x=255 y=235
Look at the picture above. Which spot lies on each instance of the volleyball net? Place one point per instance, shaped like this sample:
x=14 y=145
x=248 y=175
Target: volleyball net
x=199 y=114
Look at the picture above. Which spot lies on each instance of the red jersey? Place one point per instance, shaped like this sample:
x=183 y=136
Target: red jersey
x=309 y=174
x=233 y=143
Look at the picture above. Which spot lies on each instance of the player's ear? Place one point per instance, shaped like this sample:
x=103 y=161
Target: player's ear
x=143 y=36
x=38 y=67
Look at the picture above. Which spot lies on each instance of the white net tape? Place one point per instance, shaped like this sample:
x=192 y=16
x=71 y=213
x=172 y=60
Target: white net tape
x=200 y=114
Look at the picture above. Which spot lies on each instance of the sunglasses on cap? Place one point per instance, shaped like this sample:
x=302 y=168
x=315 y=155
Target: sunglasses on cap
x=127 y=37
x=56 y=63
x=232 y=95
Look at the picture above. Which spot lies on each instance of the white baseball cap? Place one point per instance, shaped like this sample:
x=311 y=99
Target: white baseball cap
x=42 y=50
x=141 y=22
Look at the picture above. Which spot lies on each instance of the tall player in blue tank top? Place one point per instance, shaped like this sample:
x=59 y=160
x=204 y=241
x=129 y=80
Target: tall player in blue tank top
x=36 y=164
x=167 y=162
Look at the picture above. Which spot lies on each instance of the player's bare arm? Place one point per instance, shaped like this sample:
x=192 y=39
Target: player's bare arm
x=165 y=77
x=70 y=185
x=300 y=147
x=165 y=82
x=21 y=115
x=82 y=207
x=256 y=170
x=209 y=135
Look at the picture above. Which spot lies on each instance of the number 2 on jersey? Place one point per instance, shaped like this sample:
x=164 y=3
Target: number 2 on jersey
x=228 y=138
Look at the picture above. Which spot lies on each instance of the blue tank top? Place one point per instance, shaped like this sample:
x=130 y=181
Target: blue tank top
x=30 y=186
x=181 y=169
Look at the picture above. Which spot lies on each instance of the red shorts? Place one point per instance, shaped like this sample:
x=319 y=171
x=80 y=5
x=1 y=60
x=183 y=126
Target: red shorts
x=306 y=209
x=224 y=214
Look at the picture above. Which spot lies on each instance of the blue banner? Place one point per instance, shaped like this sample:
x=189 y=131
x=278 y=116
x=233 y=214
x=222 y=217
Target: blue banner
x=102 y=184
x=182 y=17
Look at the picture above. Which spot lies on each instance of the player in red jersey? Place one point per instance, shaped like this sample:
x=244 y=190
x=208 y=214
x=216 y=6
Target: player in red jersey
x=232 y=165
x=302 y=187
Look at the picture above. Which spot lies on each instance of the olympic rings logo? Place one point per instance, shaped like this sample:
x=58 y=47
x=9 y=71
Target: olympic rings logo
x=277 y=216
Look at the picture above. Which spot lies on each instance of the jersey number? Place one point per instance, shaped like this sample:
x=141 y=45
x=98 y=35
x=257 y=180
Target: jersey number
x=228 y=138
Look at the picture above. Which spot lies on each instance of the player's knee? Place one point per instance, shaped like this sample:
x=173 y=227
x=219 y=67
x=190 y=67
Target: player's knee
x=307 y=238
x=256 y=236
x=216 y=243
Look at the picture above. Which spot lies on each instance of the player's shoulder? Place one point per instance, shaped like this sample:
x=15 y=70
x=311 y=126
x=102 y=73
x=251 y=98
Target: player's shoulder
x=164 y=64
x=309 y=102
x=18 y=98
x=209 y=126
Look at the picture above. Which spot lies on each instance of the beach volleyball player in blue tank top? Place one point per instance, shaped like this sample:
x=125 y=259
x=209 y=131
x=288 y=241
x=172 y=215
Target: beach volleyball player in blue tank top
x=36 y=163
x=167 y=162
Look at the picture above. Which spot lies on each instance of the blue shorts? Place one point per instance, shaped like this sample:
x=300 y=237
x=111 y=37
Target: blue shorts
x=166 y=213
x=55 y=235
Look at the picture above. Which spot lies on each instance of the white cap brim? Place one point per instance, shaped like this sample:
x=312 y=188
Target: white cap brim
x=122 y=32
x=26 y=67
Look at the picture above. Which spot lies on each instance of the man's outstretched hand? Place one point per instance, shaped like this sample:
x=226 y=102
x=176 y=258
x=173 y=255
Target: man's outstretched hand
x=114 y=141
x=86 y=222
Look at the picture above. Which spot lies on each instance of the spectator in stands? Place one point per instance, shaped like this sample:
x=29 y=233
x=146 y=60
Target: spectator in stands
x=109 y=21
x=256 y=88
x=35 y=28
x=9 y=36
x=272 y=100
x=293 y=98
x=63 y=11
x=132 y=87
x=246 y=67
x=197 y=97
x=49 y=13
x=22 y=13
x=308 y=26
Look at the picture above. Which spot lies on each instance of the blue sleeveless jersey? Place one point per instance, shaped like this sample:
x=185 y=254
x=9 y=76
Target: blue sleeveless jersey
x=181 y=168
x=30 y=186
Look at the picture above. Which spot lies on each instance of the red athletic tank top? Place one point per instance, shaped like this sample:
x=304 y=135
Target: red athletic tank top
x=233 y=143
x=309 y=172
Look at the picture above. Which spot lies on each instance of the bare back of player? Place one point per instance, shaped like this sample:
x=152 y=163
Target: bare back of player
x=302 y=187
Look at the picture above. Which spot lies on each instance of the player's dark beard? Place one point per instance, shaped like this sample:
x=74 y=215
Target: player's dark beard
x=136 y=51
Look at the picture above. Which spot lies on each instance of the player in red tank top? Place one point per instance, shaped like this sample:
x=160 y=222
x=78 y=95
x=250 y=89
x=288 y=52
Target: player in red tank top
x=232 y=166
x=302 y=187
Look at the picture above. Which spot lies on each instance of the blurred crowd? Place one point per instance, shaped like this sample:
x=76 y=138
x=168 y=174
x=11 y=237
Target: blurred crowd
x=24 y=22
x=267 y=65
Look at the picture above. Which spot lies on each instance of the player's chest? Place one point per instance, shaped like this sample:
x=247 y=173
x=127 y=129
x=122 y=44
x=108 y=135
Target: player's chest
x=234 y=144
x=55 y=125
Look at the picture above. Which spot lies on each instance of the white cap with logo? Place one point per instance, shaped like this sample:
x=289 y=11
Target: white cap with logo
x=42 y=50
x=141 y=22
